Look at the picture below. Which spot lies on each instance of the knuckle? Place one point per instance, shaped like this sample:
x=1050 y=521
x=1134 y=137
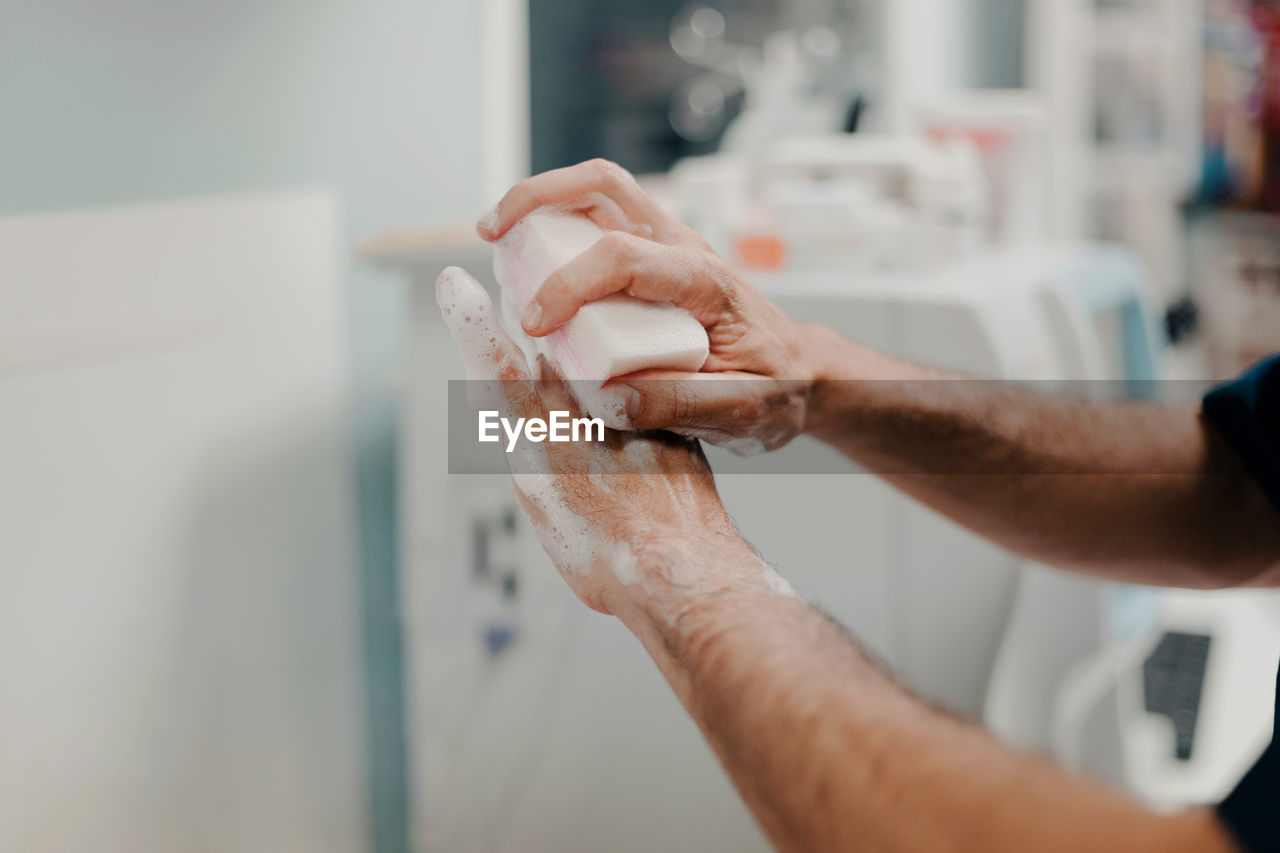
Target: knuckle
x=694 y=240
x=721 y=277
x=611 y=174
x=620 y=246
x=682 y=405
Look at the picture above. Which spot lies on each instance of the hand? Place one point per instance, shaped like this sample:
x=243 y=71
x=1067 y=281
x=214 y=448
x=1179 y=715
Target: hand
x=611 y=515
x=649 y=255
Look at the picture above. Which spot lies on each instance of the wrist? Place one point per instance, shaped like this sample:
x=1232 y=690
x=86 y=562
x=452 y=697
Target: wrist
x=670 y=574
x=844 y=383
x=833 y=361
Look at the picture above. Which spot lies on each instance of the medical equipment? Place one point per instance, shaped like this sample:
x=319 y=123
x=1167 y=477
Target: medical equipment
x=1010 y=131
x=1193 y=680
x=861 y=202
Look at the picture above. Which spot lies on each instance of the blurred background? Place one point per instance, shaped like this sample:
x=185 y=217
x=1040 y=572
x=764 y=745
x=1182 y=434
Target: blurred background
x=246 y=607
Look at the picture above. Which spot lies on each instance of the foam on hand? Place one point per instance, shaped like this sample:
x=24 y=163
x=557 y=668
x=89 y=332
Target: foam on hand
x=611 y=337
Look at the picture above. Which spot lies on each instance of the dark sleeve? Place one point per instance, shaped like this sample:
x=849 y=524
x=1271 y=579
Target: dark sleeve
x=1247 y=413
x=1251 y=813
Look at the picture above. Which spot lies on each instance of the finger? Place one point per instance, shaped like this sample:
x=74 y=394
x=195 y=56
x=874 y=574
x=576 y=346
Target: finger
x=608 y=214
x=726 y=404
x=624 y=263
x=555 y=394
x=488 y=352
x=533 y=512
x=569 y=185
x=577 y=397
x=559 y=394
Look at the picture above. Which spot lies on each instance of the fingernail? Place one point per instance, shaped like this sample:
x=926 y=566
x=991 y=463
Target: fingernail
x=630 y=399
x=532 y=317
x=488 y=222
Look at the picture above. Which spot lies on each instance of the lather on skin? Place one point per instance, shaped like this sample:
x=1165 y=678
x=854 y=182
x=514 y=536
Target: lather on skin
x=828 y=752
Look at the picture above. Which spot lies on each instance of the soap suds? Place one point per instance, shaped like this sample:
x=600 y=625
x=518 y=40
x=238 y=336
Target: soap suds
x=641 y=454
x=575 y=542
x=604 y=402
x=625 y=565
x=528 y=345
x=738 y=445
x=487 y=353
x=565 y=535
x=779 y=584
x=468 y=312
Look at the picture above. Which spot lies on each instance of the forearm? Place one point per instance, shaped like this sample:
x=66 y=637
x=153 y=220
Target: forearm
x=830 y=754
x=1135 y=491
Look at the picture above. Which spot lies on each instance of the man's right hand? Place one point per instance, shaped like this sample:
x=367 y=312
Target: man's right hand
x=651 y=256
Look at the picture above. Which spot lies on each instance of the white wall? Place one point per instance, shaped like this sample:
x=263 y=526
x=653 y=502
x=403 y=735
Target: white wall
x=178 y=647
x=136 y=99
x=114 y=101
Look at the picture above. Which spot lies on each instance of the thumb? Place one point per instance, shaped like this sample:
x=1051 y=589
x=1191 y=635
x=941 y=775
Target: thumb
x=743 y=412
x=669 y=400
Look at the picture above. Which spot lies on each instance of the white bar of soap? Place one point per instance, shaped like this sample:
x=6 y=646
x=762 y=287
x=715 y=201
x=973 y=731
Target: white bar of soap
x=611 y=337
